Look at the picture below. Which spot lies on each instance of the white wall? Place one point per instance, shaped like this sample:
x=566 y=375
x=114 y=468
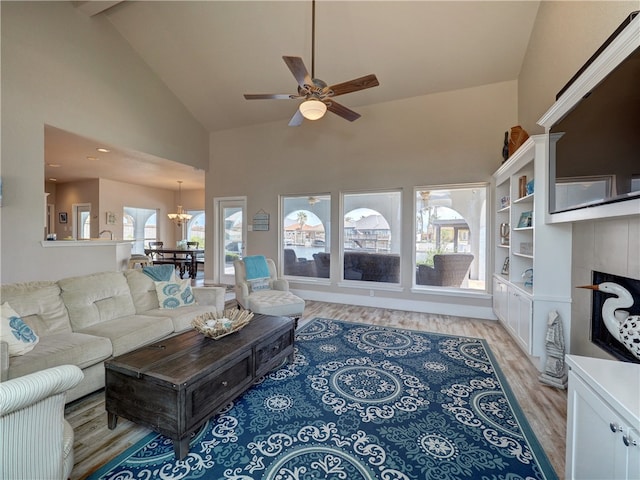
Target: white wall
x=62 y=68
x=565 y=36
x=451 y=137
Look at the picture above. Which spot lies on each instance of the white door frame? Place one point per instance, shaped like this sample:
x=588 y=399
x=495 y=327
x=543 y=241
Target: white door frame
x=219 y=235
x=77 y=209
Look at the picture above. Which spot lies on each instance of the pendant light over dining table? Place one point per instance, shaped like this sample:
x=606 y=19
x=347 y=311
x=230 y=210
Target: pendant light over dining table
x=180 y=216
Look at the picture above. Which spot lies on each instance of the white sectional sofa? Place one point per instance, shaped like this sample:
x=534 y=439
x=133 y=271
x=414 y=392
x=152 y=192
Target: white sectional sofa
x=86 y=320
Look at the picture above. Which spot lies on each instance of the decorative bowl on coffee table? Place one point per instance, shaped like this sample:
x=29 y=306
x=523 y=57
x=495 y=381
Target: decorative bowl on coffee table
x=217 y=325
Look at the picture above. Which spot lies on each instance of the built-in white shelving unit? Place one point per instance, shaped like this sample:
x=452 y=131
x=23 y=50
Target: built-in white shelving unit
x=532 y=271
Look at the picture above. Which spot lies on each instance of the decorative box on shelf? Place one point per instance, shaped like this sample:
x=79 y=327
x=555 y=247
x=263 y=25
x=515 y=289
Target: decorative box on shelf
x=526 y=248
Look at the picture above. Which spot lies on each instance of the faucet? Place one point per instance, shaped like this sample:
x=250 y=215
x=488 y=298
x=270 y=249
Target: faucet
x=106 y=231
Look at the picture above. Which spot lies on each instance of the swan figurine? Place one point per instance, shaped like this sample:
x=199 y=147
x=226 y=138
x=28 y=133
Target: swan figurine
x=624 y=327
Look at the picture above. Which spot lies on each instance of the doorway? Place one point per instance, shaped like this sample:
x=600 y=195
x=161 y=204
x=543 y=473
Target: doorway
x=82 y=221
x=230 y=236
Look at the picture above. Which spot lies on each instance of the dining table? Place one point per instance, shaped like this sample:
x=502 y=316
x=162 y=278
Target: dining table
x=184 y=259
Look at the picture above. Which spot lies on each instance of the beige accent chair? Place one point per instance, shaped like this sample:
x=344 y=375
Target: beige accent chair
x=37 y=442
x=277 y=300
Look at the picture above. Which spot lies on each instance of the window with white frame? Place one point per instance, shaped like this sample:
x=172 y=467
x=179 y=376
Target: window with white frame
x=306 y=234
x=371 y=233
x=195 y=227
x=139 y=226
x=451 y=236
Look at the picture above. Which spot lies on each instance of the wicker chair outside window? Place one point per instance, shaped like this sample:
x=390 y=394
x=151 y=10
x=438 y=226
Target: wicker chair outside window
x=449 y=270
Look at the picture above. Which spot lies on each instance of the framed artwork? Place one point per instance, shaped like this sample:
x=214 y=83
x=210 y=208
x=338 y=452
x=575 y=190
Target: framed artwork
x=505 y=266
x=261 y=221
x=525 y=220
x=62 y=217
x=111 y=218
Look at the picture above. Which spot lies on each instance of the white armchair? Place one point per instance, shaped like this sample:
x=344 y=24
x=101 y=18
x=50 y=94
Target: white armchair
x=276 y=300
x=37 y=442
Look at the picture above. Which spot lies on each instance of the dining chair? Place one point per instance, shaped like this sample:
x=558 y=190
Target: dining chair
x=155 y=255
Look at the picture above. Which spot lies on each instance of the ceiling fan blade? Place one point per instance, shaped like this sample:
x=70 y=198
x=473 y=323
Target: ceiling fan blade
x=296 y=65
x=354 y=85
x=268 y=96
x=342 y=111
x=297 y=119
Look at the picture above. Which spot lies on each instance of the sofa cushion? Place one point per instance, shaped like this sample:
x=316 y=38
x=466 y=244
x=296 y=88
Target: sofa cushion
x=175 y=294
x=143 y=290
x=182 y=317
x=62 y=349
x=17 y=334
x=96 y=298
x=40 y=305
x=130 y=332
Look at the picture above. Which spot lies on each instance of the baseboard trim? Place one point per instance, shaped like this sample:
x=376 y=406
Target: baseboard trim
x=454 y=309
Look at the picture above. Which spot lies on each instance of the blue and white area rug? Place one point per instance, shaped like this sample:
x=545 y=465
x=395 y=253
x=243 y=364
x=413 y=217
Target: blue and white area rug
x=360 y=402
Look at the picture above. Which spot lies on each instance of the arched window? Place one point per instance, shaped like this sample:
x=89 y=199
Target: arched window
x=128 y=227
x=372 y=231
x=305 y=235
x=195 y=227
x=450 y=246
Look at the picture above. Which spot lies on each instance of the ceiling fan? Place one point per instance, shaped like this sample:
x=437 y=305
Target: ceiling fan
x=317 y=95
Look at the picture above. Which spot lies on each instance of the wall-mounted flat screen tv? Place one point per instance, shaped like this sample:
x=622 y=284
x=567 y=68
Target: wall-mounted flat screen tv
x=595 y=148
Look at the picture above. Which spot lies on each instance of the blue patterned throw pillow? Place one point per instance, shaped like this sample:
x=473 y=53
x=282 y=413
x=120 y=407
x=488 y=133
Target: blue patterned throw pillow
x=15 y=332
x=175 y=294
x=260 y=284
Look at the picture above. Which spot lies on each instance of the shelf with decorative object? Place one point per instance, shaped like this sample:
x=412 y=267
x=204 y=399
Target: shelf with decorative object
x=531 y=259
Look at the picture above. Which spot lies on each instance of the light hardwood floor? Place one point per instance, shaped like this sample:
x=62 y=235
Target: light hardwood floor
x=544 y=406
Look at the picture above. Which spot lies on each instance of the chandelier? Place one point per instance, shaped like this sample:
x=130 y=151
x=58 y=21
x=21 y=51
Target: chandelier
x=180 y=216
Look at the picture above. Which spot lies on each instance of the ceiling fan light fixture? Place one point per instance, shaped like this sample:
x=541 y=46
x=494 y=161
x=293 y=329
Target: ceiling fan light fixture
x=313 y=109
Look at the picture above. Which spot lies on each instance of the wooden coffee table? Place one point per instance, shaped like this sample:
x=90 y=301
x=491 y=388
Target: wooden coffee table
x=175 y=385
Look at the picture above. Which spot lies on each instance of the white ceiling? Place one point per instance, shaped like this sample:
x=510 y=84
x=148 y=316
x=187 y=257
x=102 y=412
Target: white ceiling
x=209 y=53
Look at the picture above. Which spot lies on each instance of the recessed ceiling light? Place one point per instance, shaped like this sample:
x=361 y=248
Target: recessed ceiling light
x=92 y=158
x=103 y=150
x=53 y=165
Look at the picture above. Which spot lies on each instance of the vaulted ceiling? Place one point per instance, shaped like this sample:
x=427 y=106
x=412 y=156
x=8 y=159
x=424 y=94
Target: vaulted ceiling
x=209 y=53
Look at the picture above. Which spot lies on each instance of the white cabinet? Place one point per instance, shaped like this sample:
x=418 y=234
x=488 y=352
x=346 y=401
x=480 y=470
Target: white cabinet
x=500 y=298
x=514 y=309
x=521 y=312
x=533 y=261
x=603 y=423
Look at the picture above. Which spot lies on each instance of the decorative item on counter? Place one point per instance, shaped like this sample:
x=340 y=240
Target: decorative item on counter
x=505 y=147
x=554 y=370
x=217 y=325
x=52 y=236
x=530 y=187
x=522 y=186
x=517 y=138
x=528 y=277
x=504 y=234
x=505 y=201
